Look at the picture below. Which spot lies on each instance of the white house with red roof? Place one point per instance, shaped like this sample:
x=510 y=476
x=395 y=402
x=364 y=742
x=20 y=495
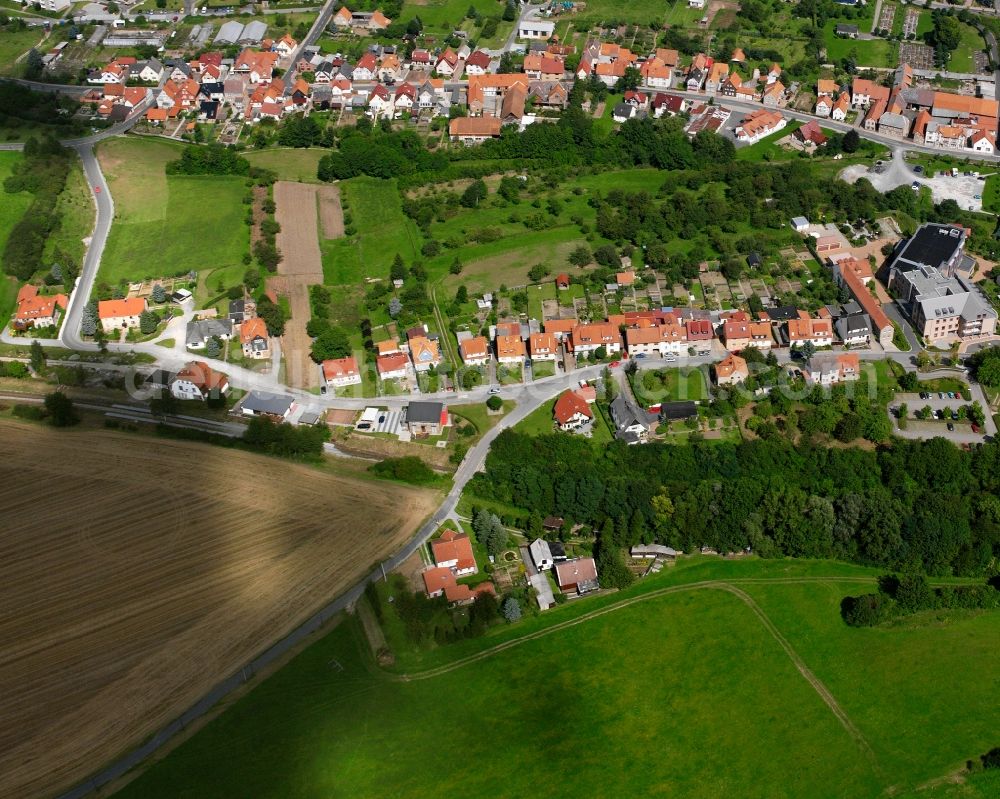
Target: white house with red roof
x=571 y=411
x=120 y=314
x=340 y=372
x=198 y=381
x=35 y=311
x=379 y=102
x=453 y=551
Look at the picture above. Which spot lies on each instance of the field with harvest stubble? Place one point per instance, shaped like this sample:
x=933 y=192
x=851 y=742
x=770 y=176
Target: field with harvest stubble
x=134 y=575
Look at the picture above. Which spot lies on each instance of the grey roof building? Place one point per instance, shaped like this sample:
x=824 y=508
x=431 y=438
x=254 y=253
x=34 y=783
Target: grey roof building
x=199 y=331
x=258 y=403
x=938 y=246
x=424 y=412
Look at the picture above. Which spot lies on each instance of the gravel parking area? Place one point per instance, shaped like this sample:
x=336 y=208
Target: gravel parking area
x=965 y=190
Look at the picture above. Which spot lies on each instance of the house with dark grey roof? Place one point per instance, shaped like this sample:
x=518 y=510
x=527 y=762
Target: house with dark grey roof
x=675 y=411
x=261 y=403
x=854 y=329
x=426 y=418
x=631 y=422
x=199 y=331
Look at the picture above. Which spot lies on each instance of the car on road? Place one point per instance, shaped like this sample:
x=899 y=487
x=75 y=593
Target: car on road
x=615 y=363
x=364 y=426
x=951 y=427
x=494 y=390
x=923 y=395
x=639 y=356
x=918 y=169
x=940 y=395
x=977 y=196
x=975 y=428
x=381 y=419
x=915 y=185
x=97 y=189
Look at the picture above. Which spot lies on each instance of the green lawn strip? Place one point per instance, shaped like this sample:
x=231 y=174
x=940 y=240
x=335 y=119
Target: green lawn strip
x=538 y=422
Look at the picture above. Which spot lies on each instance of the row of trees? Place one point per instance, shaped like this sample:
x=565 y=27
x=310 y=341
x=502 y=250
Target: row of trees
x=922 y=505
x=43 y=173
x=902 y=595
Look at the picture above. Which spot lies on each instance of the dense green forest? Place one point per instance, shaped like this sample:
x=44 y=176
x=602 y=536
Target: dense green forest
x=920 y=505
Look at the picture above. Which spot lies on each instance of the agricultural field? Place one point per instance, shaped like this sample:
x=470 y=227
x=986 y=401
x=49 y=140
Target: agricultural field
x=295 y=165
x=152 y=574
x=814 y=708
x=162 y=222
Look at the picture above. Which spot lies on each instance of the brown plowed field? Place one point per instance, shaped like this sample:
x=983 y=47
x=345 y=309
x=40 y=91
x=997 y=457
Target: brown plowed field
x=301 y=266
x=135 y=574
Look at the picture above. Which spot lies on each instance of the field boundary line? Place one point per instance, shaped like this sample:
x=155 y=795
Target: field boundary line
x=722 y=585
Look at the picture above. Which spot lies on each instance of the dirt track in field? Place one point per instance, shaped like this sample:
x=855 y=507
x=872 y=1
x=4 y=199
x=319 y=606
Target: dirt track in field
x=301 y=266
x=331 y=214
x=135 y=574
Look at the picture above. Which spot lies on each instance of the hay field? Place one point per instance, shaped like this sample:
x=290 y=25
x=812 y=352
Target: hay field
x=135 y=574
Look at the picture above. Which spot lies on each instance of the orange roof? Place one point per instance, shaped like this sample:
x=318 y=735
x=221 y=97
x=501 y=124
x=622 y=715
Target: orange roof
x=253 y=328
x=459 y=592
x=454 y=546
x=804 y=329
x=474 y=126
x=510 y=347
x=438 y=578
x=387 y=347
x=340 y=367
x=542 y=342
x=203 y=376
x=598 y=333
x=477 y=347
x=113 y=309
x=733 y=364
x=424 y=350
x=871 y=306
x=392 y=363
x=560 y=325
x=979 y=106
x=625 y=278
x=568 y=405
x=667 y=56
x=32 y=305
x=824 y=86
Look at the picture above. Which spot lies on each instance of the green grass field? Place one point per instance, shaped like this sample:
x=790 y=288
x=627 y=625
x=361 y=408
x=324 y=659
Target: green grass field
x=383 y=231
x=970 y=43
x=870 y=52
x=75 y=208
x=14 y=44
x=695 y=692
x=12 y=208
x=288 y=164
x=166 y=225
